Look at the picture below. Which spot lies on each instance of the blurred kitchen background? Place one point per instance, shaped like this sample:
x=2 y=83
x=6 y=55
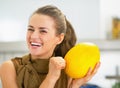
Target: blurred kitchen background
x=94 y=21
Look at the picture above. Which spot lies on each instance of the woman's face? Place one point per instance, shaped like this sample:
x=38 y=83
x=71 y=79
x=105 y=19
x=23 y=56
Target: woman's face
x=41 y=36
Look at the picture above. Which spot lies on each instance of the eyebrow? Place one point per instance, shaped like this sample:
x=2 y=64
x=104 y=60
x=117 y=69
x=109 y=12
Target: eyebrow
x=30 y=26
x=39 y=27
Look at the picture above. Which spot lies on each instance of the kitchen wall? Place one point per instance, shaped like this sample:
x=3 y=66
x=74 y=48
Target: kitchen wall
x=90 y=18
x=15 y=15
x=110 y=58
x=109 y=62
x=108 y=10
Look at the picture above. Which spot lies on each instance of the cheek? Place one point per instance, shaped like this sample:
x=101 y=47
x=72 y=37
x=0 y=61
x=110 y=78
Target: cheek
x=50 y=39
x=27 y=37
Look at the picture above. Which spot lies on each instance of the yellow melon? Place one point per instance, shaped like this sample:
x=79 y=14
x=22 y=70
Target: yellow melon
x=80 y=58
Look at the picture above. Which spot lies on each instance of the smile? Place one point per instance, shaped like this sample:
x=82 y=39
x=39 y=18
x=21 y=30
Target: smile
x=36 y=44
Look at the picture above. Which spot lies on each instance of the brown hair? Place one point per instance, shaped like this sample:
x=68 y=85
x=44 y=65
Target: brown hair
x=62 y=25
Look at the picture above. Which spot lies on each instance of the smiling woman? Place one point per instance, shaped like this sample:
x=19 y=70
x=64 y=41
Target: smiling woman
x=48 y=38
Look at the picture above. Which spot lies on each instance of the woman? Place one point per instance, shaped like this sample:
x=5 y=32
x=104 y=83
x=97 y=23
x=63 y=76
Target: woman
x=49 y=38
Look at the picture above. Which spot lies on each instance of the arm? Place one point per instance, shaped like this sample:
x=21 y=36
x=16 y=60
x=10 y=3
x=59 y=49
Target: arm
x=8 y=75
x=55 y=66
x=76 y=83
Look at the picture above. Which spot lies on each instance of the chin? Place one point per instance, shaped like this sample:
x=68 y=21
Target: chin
x=34 y=53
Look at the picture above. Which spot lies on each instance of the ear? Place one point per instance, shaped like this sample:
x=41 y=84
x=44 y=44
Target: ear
x=60 y=38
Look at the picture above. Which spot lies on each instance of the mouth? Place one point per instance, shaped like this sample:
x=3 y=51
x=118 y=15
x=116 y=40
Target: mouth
x=34 y=44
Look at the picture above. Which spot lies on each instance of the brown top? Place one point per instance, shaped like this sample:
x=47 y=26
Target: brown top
x=30 y=73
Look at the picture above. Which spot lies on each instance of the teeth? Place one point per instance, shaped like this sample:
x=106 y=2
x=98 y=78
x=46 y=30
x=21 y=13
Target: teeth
x=35 y=44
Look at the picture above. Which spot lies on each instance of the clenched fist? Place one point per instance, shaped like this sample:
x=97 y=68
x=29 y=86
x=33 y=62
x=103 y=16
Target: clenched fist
x=56 y=64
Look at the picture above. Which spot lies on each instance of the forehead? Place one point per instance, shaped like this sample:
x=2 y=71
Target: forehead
x=41 y=19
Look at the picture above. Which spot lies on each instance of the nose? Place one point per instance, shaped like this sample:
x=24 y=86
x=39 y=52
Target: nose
x=35 y=35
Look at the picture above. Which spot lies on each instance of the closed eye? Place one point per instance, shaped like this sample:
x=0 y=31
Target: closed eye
x=42 y=31
x=30 y=29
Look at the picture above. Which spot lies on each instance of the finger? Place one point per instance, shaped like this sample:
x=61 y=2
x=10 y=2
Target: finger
x=69 y=82
x=89 y=71
x=61 y=65
x=96 y=68
x=88 y=76
x=97 y=65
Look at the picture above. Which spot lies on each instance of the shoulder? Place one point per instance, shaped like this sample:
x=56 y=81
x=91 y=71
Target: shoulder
x=7 y=71
x=6 y=68
x=8 y=75
x=10 y=67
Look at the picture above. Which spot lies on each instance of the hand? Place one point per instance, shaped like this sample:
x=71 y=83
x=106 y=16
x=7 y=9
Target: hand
x=56 y=64
x=76 y=83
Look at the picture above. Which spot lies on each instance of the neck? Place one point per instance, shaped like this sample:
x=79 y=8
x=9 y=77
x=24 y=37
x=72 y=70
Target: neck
x=41 y=57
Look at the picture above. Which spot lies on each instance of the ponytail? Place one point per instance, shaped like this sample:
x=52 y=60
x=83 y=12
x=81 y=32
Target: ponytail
x=68 y=42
